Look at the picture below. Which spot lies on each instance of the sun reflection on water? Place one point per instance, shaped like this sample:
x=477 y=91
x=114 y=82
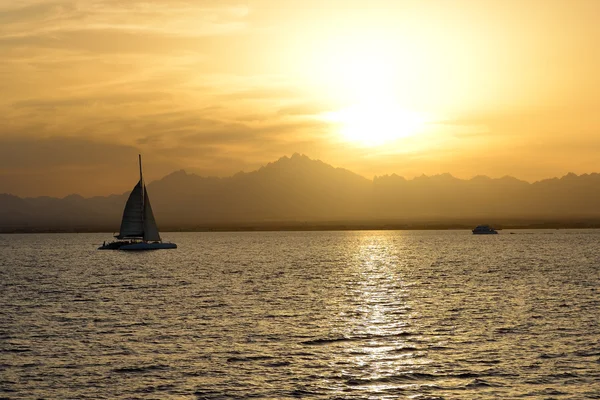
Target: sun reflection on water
x=379 y=320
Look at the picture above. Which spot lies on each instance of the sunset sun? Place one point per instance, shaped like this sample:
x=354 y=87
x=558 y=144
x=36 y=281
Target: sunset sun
x=376 y=122
x=364 y=76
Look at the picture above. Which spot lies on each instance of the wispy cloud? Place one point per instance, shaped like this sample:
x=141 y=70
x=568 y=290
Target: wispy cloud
x=173 y=18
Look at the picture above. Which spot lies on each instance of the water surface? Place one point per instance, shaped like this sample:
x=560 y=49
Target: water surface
x=282 y=315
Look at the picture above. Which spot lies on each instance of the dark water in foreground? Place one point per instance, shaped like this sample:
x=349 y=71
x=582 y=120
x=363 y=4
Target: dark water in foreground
x=327 y=315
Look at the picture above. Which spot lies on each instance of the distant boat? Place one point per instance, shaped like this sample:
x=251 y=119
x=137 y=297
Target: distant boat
x=484 y=230
x=138 y=226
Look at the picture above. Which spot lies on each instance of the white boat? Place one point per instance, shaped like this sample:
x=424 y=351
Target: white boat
x=484 y=230
x=138 y=227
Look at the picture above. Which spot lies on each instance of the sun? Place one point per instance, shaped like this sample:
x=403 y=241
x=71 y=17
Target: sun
x=376 y=122
x=364 y=77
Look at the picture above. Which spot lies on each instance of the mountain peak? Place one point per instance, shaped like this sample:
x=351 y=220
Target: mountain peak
x=73 y=197
x=298 y=156
x=570 y=175
x=181 y=172
x=295 y=159
x=176 y=176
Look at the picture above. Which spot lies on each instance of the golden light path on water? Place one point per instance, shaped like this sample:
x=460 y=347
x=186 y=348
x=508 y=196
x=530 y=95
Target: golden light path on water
x=381 y=315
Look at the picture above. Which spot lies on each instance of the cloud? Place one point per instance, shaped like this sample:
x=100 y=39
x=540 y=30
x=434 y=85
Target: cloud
x=193 y=134
x=138 y=73
x=263 y=92
x=90 y=101
x=168 y=18
x=25 y=154
x=301 y=109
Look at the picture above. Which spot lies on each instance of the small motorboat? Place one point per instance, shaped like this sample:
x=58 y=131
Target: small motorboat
x=484 y=230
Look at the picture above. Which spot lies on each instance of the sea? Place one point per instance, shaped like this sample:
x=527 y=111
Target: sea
x=314 y=315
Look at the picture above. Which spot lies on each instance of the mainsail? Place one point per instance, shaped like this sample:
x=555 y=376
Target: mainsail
x=138 y=220
x=150 y=229
x=132 y=224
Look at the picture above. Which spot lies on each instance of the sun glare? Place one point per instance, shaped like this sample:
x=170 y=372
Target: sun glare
x=363 y=74
x=376 y=123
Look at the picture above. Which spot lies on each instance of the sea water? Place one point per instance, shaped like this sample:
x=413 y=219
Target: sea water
x=283 y=315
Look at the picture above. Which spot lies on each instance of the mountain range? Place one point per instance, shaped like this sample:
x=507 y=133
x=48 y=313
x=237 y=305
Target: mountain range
x=300 y=193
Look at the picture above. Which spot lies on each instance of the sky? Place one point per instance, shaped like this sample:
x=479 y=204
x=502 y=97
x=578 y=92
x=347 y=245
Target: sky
x=220 y=86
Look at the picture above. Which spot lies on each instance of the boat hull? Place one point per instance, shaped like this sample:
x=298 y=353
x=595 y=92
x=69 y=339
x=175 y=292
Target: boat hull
x=137 y=246
x=148 y=246
x=113 y=245
x=485 y=233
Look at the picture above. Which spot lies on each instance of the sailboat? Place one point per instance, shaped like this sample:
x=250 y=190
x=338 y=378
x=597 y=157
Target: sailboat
x=138 y=226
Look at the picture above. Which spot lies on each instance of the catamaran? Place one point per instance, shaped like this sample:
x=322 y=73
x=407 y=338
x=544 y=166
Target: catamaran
x=138 y=226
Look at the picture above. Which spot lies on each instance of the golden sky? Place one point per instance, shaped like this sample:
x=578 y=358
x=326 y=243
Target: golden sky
x=218 y=86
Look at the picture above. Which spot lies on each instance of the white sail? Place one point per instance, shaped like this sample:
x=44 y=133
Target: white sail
x=150 y=229
x=132 y=224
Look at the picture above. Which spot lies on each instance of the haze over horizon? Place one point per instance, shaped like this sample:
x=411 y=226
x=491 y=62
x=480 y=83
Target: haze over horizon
x=402 y=87
x=299 y=193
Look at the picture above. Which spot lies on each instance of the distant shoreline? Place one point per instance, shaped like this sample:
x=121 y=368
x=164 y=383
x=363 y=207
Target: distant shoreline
x=324 y=226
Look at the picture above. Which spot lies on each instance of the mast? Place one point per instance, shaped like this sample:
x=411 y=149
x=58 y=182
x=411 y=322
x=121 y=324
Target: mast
x=142 y=185
x=140 y=160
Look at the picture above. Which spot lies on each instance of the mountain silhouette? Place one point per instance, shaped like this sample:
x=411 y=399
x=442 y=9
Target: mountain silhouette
x=298 y=192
